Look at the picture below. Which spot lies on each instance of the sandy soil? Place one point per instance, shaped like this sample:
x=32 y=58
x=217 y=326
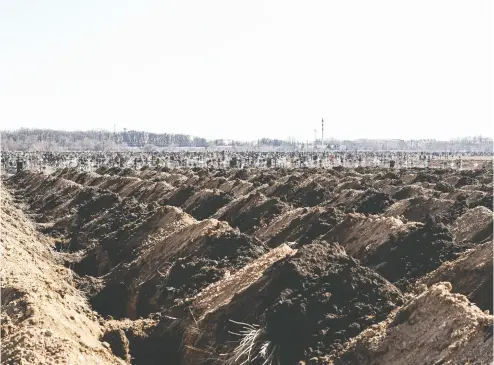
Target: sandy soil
x=45 y=320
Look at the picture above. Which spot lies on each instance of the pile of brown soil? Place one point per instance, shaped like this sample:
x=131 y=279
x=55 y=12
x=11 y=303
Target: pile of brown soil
x=474 y=226
x=304 y=306
x=470 y=275
x=456 y=210
x=409 y=191
x=345 y=199
x=417 y=209
x=205 y=250
x=93 y=209
x=237 y=187
x=444 y=187
x=241 y=174
x=130 y=229
x=466 y=180
x=309 y=195
x=205 y=203
x=103 y=216
x=284 y=190
x=423 y=176
x=371 y=202
x=436 y=327
x=265 y=177
x=251 y=212
x=188 y=275
x=305 y=228
x=361 y=235
x=411 y=254
x=44 y=318
x=486 y=201
x=179 y=196
x=387 y=175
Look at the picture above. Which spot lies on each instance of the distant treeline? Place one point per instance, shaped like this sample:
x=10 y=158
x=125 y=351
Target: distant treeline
x=96 y=140
x=99 y=140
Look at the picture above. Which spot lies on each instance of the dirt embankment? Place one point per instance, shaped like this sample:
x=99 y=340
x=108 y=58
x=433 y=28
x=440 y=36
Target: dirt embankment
x=305 y=227
x=251 y=212
x=175 y=261
x=436 y=327
x=361 y=235
x=474 y=226
x=45 y=320
x=411 y=254
x=470 y=275
x=303 y=306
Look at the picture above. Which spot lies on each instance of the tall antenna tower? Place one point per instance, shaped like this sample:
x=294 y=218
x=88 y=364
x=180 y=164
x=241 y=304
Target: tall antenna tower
x=322 y=132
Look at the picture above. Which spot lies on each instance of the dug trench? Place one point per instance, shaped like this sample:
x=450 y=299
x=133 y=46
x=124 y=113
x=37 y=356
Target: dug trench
x=195 y=282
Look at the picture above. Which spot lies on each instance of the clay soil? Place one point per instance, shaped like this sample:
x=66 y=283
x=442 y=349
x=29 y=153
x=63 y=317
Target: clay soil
x=247 y=266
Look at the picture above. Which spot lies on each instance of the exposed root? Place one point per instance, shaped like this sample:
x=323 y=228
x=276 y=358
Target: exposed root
x=251 y=347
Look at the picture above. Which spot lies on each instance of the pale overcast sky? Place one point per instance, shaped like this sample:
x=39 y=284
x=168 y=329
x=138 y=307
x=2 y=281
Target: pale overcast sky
x=246 y=69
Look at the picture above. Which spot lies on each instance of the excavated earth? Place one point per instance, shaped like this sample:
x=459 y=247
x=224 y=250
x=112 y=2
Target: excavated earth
x=247 y=266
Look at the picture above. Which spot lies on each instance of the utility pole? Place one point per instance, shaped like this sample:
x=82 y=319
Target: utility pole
x=322 y=133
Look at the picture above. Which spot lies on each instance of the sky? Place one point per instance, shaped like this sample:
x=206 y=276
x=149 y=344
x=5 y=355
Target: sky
x=249 y=69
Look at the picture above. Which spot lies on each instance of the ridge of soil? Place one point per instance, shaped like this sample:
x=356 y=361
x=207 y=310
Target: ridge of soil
x=45 y=320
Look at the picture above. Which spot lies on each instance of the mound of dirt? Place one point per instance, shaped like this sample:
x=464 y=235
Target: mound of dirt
x=52 y=196
x=123 y=186
x=360 y=235
x=221 y=293
x=179 y=196
x=387 y=175
x=349 y=184
x=188 y=275
x=309 y=195
x=417 y=209
x=279 y=224
x=251 y=212
x=444 y=187
x=285 y=190
x=100 y=217
x=236 y=187
x=150 y=191
x=345 y=199
x=450 y=215
x=426 y=177
x=44 y=319
x=436 y=327
x=265 y=177
x=306 y=305
x=305 y=228
x=413 y=253
x=474 y=226
x=204 y=251
x=466 y=180
x=371 y=202
x=105 y=201
x=409 y=191
x=205 y=203
x=241 y=174
x=486 y=201
x=130 y=230
x=470 y=275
